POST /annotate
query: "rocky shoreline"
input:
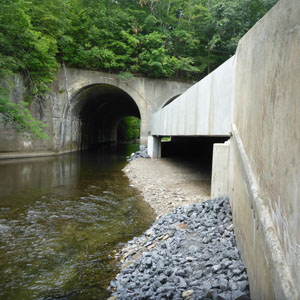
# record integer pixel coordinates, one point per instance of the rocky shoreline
(188, 253)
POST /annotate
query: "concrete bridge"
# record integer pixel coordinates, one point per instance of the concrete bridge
(205, 109)
(83, 109)
(253, 99)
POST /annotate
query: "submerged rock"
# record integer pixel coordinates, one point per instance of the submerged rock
(188, 254)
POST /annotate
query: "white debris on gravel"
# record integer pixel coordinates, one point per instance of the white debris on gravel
(143, 152)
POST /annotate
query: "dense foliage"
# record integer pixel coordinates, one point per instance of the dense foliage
(19, 117)
(156, 38)
(129, 129)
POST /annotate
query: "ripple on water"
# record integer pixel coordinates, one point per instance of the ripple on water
(55, 243)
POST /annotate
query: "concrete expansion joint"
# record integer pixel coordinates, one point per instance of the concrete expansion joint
(282, 279)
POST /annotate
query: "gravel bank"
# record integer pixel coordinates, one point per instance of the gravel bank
(187, 254)
(190, 250)
(167, 183)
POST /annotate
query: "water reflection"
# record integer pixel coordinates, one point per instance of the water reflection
(20, 176)
(60, 219)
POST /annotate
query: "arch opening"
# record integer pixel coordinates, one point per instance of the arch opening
(100, 108)
(129, 129)
(170, 100)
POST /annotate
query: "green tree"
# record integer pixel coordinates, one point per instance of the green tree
(24, 50)
(156, 38)
(129, 129)
(19, 117)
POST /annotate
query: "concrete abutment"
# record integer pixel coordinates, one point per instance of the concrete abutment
(154, 146)
(260, 167)
(220, 170)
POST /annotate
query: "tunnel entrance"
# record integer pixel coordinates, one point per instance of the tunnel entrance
(100, 108)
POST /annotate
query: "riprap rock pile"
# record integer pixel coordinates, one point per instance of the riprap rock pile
(190, 253)
(141, 153)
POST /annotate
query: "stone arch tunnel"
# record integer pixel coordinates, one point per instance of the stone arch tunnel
(84, 107)
(100, 108)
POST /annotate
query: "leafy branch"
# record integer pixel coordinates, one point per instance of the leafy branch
(19, 117)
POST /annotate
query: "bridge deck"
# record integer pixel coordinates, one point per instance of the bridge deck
(206, 109)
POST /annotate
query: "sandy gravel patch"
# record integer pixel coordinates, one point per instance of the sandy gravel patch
(168, 183)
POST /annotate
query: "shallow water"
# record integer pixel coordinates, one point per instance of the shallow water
(60, 220)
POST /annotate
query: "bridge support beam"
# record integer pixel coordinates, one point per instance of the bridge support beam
(220, 170)
(154, 146)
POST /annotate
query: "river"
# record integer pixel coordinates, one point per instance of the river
(61, 218)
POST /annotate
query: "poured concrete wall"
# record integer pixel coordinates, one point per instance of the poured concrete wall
(265, 153)
(203, 110)
(219, 173)
(264, 156)
(154, 147)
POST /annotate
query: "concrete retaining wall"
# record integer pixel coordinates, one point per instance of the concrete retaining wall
(64, 102)
(203, 110)
(265, 153)
(264, 157)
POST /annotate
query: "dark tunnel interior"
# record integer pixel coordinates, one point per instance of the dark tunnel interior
(170, 100)
(100, 108)
(197, 150)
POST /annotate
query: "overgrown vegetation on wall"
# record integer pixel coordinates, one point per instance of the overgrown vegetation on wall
(156, 38)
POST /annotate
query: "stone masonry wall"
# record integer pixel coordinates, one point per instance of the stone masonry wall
(59, 112)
